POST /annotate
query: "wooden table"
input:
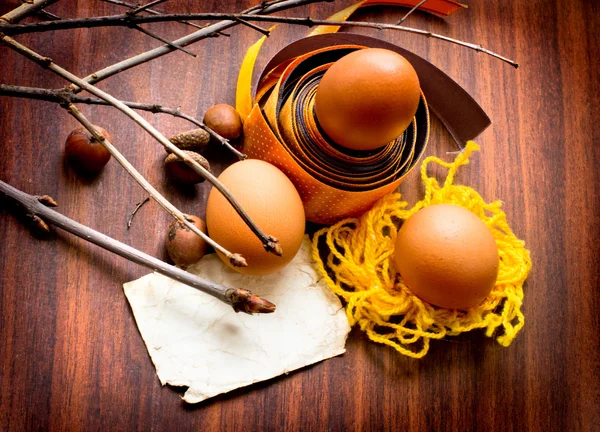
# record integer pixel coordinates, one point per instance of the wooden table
(71, 357)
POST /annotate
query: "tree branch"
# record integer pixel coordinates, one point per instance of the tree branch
(409, 13)
(144, 7)
(235, 259)
(240, 299)
(63, 96)
(135, 210)
(270, 243)
(161, 39)
(123, 20)
(23, 11)
(203, 33)
(48, 14)
(254, 27)
(150, 11)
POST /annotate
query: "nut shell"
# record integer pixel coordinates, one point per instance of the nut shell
(84, 151)
(224, 120)
(179, 171)
(184, 246)
(194, 140)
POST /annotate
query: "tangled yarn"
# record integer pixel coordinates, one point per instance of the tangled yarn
(354, 256)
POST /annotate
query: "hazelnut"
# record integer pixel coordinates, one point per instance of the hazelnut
(224, 120)
(179, 171)
(83, 150)
(183, 245)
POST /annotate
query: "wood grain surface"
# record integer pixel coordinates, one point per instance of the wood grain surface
(71, 357)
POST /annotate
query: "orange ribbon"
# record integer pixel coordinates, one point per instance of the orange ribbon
(333, 183)
(280, 127)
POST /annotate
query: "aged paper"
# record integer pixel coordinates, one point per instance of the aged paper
(197, 341)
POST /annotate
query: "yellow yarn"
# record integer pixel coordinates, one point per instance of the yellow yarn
(356, 262)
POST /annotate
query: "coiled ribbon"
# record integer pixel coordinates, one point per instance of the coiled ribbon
(282, 129)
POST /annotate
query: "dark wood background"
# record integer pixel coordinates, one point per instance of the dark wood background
(71, 357)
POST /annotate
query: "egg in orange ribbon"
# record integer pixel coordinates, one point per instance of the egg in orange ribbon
(368, 98)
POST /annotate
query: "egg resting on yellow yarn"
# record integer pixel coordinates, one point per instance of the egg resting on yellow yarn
(354, 256)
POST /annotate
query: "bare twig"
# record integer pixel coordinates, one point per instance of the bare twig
(24, 10)
(270, 243)
(144, 7)
(205, 32)
(137, 207)
(409, 13)
(254, 27)
(163, 40)
(137, 9)
(122, 20)
(63, 96)
(48, 14)
(122, 3)
(164, 203)
(151, 11)
(240, 299)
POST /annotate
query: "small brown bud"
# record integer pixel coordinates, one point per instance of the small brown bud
(179, 171)
(243, 300)
(273, 246)
(237, 260)
(48, 201)
(40, 225)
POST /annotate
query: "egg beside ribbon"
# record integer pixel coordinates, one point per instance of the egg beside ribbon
(447, 256)
(271, 201)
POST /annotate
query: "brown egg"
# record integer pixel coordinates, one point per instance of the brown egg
(447, 256)
(271, 201)
(367, 98)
